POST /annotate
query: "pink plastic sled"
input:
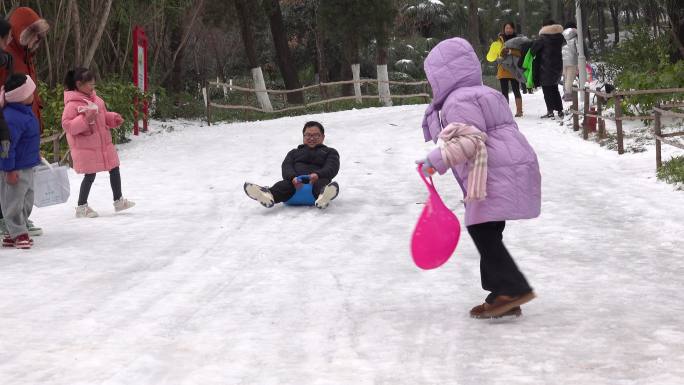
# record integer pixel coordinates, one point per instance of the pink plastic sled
(437, 231)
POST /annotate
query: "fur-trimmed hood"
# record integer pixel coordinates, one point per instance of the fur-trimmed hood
(26, 24)
(551, 29)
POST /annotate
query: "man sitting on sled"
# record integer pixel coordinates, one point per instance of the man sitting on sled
(311, 163)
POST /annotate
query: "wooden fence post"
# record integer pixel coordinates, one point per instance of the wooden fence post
(618, 124)
(575, 107)
(55, 149)
(356, 73)
(585, 121)
(658, 132)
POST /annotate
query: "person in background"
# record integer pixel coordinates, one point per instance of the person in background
(505, 77)
(570, 56)
(549, 65)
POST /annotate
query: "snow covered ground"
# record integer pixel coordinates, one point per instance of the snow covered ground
(200, 285)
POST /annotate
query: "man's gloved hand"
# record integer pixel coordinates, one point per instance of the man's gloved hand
(297, 184)
(4, 151)
(426, 167)
(12, 177)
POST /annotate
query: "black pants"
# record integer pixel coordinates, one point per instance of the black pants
(114, 180)
(498, 271)
(284, 190)
(552, 98)
(514, 85)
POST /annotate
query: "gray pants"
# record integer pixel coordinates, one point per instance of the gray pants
(17, 201)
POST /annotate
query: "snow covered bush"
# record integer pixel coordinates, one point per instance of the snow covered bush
(672, 171)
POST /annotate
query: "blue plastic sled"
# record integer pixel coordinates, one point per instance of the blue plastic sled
(304, 195)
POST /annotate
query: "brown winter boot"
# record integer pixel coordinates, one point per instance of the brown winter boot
(518, 108)
(503, 306)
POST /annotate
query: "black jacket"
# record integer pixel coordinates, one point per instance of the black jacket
(322, 160)
(6, 68)
(548, 61)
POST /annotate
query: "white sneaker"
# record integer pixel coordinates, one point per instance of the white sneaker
(122, 204)
(84, 211)
(329, 193)
(259, 194)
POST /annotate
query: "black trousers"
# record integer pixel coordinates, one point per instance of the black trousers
(87, 183)
(514, 85)
(498, 271)
(552, 98)
(284, 190)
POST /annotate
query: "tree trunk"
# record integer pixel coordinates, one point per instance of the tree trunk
(77, 32)
(676, 21)
(351, 56)
(600, 9)
(320, 54)
(474, 26)
(247, 31)
(554, 11)
(615, 15)
(522, 11)
(178, 51)
(98, 34)
(283, 55)
(587, 31)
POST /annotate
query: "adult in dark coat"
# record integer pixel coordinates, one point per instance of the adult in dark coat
(314, 160)
(548, 65)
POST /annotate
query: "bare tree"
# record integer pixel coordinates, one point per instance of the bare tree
(283, 54)
(98, 34)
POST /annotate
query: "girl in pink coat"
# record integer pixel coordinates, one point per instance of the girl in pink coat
(87, 122)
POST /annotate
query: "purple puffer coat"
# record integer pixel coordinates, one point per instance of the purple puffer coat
(513, 180)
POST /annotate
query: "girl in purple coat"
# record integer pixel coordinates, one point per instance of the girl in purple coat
(493, 163)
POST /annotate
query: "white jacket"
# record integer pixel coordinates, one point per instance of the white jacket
(570, 50)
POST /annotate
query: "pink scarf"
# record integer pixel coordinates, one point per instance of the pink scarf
(463, 143)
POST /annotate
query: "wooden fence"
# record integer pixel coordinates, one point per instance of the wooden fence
(56, 147)
(658, 113)
(602, 99)
(358, 96)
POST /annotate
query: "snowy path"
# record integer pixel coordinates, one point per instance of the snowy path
(200, 285)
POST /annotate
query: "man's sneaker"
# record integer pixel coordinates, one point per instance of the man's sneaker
(33, 230)
(329, 193)
(259, 194)
(22, 242)
(7, 241)
(84, 211)
(548, 115)
(122, 204)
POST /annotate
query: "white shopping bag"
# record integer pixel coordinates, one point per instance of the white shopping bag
(50, 185)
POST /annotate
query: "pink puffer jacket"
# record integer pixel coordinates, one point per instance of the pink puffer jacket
(91, 145)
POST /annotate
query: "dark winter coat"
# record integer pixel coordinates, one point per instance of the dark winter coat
(24, 131)
(5, 71)
(548, 62)
(322, 160)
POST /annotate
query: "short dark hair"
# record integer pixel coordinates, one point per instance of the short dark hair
(78, 74)
(15, 81)
(5, 27)
(313, 123)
